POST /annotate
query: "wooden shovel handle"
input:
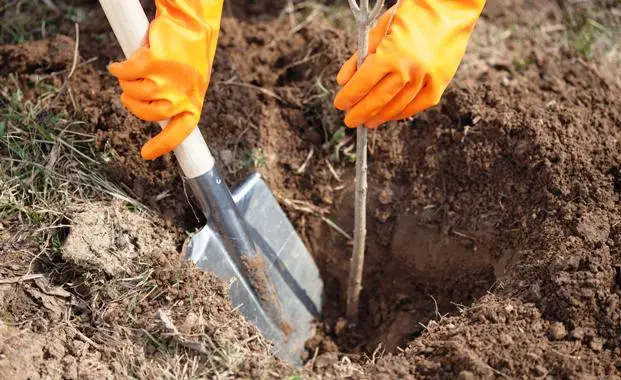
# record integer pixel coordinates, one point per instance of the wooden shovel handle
(130, 26)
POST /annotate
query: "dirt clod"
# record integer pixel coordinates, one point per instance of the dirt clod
(557, 331)
(110, 238)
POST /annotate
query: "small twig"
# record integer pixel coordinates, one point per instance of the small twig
(307, 57)
(377, 349)
(176, 335)
(164, 194)
(74, 149)
(27, 277)
(260, 89)
(75, 50)
(307, 21)
(47, 243)
(296, 28)
(76, 56)
(463, 235)
(438, 315)
(188, 200)
(310, 209)
(44, 285)
(497, 372)
(336, 228)
(312, 361)
(291, 11)
(56, 73)
(239, 138)
(334, 173)
(302, 168)
(85, 338)
(302, 206)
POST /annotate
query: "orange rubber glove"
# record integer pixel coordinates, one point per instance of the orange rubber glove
(414, 51)
(169, 76)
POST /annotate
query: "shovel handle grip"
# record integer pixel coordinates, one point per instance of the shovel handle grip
(130, 26)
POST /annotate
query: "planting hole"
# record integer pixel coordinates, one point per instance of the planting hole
(414, 273)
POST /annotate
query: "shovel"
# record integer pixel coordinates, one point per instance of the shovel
(248, 240)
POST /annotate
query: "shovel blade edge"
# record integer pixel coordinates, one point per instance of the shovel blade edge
(288, 264)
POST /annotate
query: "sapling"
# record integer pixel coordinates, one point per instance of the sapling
(365, 18)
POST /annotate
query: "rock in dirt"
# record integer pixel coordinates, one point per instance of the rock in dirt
(557, 331)
(594, 227)
(578, 333)
(506, 340)
(597, 344)
(108, 236)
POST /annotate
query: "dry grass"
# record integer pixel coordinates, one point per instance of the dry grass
(164, 318)
(47, 164)
(50, 169)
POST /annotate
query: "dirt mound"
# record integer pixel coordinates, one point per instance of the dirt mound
(511, 172)
(142, 321)
(513, 169)
(497, 338)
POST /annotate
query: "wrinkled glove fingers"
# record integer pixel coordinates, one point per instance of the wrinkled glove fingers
(156, 110)
(426, 98)
(378, 31)
(347, 70)
(369, 74)
(172, 135)
(377, 98)
(134, 68)
(375, 37)
(140, 89)
(396, 104)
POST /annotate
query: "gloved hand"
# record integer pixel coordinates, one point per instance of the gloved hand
(169, 76)
(414, 51)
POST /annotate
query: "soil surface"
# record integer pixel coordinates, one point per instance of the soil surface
(494, 226)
